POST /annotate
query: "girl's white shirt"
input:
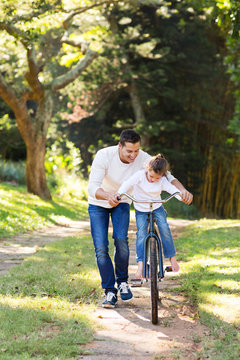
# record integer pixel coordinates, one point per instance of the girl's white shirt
(145, 190)
(109, 172)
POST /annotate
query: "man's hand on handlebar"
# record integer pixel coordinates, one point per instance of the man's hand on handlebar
(112, 200)
(187, 197)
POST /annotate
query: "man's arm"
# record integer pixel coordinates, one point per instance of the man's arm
(100, 194)
(170, 188)
(187, 196)
(98, 171)
(112, 198)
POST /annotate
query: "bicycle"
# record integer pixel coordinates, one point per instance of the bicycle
(152, 254)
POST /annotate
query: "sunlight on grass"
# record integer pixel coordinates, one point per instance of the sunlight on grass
(85, 275)
(211, 224)
(21, 211)
(43, 328)
(211, 261)
(60, 308)
(228, 285)
(225, 307)
(46, 303)
(211, 280)
(213, 275)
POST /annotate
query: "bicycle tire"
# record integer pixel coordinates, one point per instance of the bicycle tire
(154, 278)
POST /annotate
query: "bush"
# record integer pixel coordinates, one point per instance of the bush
(63, 170)
(11, 171)
(178, 209)
(62, 155)
(69, 185)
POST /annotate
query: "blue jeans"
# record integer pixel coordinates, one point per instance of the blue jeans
(99, 220)
(164, 230)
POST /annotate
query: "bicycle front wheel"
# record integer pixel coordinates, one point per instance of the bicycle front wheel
(153, 275)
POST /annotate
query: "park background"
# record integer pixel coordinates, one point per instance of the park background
(73, 75)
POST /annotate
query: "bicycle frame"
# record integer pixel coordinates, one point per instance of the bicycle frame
(152, 233)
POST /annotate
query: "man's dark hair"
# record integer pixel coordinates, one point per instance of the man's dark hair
(129, 135)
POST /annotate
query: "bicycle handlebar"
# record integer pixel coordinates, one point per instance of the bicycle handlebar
(150, 201)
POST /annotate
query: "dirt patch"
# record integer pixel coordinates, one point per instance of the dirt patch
(126, 331)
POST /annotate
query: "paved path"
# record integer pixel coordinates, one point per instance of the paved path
(14, 250)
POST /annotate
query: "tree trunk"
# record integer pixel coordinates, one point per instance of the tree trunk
(136, 103)
(35, 136)
(138, 109)
(35, 170)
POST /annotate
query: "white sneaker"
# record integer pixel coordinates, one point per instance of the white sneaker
(125, 292)
(110, 300)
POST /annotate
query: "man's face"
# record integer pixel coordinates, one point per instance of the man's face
(128, 152)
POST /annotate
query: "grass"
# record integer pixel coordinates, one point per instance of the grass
(46, 303)
(21, 211)
(210, 250)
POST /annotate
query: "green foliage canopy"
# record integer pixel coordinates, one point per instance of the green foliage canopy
(163, 70)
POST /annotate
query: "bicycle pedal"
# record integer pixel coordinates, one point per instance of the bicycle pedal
(136, 282)
(168, 268)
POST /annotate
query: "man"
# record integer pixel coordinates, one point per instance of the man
(110, 168)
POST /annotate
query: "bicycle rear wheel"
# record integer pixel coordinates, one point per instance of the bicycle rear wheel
(154, 278)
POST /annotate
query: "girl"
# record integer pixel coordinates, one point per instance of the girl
(148, 184)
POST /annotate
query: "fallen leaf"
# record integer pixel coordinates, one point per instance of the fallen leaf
(93, 291)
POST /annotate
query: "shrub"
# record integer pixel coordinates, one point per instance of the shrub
(11, 171)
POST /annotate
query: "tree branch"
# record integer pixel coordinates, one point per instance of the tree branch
(81, 10)
(18, 106)
(15, 32)
(34, 14)
(9, 95)
(82, 45)
(63, 80)
(32, 74)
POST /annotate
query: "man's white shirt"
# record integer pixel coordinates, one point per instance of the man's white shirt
(109, 172)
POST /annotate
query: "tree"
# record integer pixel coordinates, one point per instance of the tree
(175, 55)
(229, 22)
(43, 51)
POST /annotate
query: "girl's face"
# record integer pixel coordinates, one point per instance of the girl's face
(152, 176)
